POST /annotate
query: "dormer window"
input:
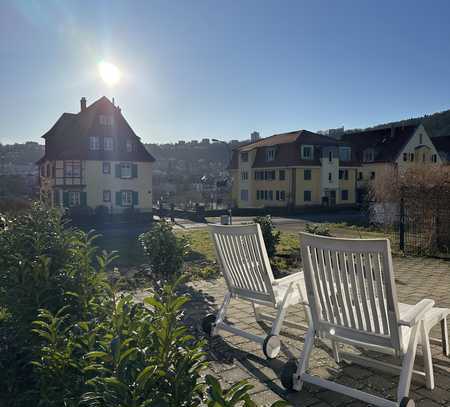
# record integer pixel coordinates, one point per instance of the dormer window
(106, 120)
(270, 154)
(244, 157)
(94, 143)
(345, 153)
(369, 155)
(108, 144)
(307, 152)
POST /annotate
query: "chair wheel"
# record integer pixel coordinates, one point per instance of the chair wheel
(271, 346)
(208, 323)
(407, 402)
(287, 374)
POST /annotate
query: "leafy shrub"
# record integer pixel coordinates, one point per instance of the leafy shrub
(271, 237)
(164, 249)
(317, 229)
(42, 265)
(69, 338)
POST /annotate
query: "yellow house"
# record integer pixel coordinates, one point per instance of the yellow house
(296, 169)
(93, 158)
(390, 149)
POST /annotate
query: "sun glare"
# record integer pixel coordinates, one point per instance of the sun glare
(109, 73)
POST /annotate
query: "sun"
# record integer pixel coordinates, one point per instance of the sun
(109, 73)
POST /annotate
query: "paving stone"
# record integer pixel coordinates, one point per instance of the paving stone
(234, 358)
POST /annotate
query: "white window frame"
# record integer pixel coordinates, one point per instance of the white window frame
(345, 153)
(127, 198)
(106, 195)
(94, 143)
(244, 175)
(128, 168)
(270, 154)
(368, 155)
(309, 148)
(106, 165)
(108, 143)
(74, 198)
(129, 146)
(106, 120)
(70, 167)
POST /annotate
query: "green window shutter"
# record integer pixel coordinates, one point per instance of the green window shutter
(83, 198)
(134, 170)
(135, 198)
(65, 199)
(119, 198)
(118, 172)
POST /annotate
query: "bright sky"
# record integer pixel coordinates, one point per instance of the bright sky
(220, 69)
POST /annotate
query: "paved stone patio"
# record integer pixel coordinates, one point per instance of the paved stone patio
(233, 358)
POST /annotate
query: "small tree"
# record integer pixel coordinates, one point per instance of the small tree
(164, 249)
(271, 237)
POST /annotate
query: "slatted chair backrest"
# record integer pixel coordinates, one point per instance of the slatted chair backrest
(244, 262)
(351, 290)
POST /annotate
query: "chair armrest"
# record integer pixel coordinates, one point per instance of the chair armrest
(416, 313)
(292, 278)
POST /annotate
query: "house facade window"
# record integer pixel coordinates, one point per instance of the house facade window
(48, 170)
(72, 169)
(372, 175)
(129, 146)
(405, 156)
(307, 152)
(434, 158)
(330, 177)
(411, 157)
(282, 175)
(74, 198)
(360, 176)
(106, 196)
(265, 175)
(368, 155)
(108, 144)
(125, 170)
(345, 153)
(127, 198)
(306, 175)
(280, 195)
(264, 195)
(106, 120)
(344, 195)
(106, 168)
(94, 143)
(270, 154)
(244, 194)
(244, 175)
(343, 174)
(307, 196)
(244, 157)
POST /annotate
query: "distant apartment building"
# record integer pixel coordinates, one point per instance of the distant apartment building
(379, 151)
(302, 168)
(93, 158)
(295, 169)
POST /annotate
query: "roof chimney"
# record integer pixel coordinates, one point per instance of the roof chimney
(119, 109)
(83, 104)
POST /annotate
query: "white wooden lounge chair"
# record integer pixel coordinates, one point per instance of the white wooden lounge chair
(243, 260)
(352, 299)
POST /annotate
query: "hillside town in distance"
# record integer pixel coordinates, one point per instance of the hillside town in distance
(292, 171)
